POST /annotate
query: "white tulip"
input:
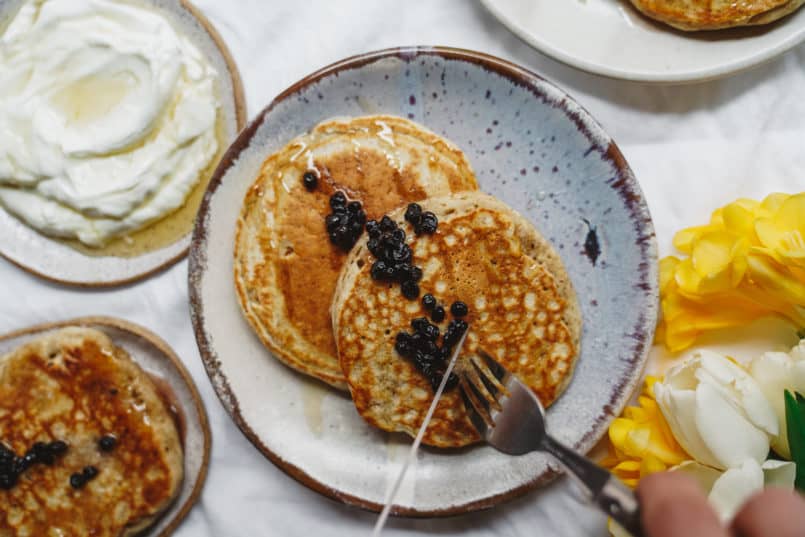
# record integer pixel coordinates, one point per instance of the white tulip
(776, 372)
(728, 491)
(716, 411)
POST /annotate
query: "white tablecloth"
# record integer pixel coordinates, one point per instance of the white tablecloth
(692, 148)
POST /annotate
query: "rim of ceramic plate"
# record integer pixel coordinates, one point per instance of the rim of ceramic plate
(625, 184)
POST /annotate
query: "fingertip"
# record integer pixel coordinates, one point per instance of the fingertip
(774, 511)
(673, 505)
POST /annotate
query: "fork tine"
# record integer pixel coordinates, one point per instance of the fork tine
(482, 388)
(476, 408)
(491, 372)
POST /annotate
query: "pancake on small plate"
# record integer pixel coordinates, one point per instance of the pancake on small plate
(107, 147)
(522, 311)
(91, 444)
(285, 266)
(691, 15)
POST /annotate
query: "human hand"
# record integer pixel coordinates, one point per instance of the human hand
(673, 505)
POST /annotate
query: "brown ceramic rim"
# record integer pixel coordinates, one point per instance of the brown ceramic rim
(624, 183)
(166, 351)
(240, 120)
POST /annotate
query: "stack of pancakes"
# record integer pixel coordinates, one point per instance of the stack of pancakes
(319, 310)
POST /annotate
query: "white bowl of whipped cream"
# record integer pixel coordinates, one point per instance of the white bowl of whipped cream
(113, 116)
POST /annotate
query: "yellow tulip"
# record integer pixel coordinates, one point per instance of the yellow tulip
(641, 442)
(746, 263)
(783, 232)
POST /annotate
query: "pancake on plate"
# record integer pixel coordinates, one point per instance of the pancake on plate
(100, 451)
(522, 311)
(285, 266)
(691, 15)
(108, 145)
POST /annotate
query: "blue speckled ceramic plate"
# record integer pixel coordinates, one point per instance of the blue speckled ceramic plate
(533, 147)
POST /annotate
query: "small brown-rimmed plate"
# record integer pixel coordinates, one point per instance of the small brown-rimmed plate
(157, 359)
(531, 146)
(59, 262)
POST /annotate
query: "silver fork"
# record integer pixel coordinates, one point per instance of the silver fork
(511, 419)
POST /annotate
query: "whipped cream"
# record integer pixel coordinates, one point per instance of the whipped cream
(107, 117)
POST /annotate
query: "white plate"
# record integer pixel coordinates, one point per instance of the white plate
(159, 361)
(609, 37)
(533, 148)
(54, 260)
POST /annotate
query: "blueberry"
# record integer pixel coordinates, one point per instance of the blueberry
(428, 224)
(401, 254)
(431, 332)
(355, 228)
(310, 180)
(425, 359)
(413, 213)
(452, 382)
(409, 272)
(428, 301)
(57, 447)
(107, 443)
(338, 200)
(354, 207)
(374, 246)
(77, 480)
(373, 229)
(402, 344)
(454, 331)
(435, 379)
(437, 315)
(398, 235)
(360, 217)
(420, 324)
(89, 472)
(459, 309)
(332, 221)
(378, 271)
(387, 224)
(418, 341)
(7, 480)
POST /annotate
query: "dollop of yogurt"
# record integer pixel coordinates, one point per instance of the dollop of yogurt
(107, 117)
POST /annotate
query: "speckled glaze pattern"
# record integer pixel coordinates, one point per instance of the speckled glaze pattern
(533, 147)
(156, 358)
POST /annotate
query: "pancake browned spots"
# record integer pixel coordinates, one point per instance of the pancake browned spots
(716, 14)
(285, 266)
(75, 385)
(522, 310)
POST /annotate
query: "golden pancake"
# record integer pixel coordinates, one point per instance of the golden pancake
(285, 266)
(74, 386)
(692, 15)
(522, 311)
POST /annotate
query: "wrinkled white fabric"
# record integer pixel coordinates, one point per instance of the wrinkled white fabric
(692, 148)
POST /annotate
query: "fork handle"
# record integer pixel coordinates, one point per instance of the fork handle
(608, 493)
